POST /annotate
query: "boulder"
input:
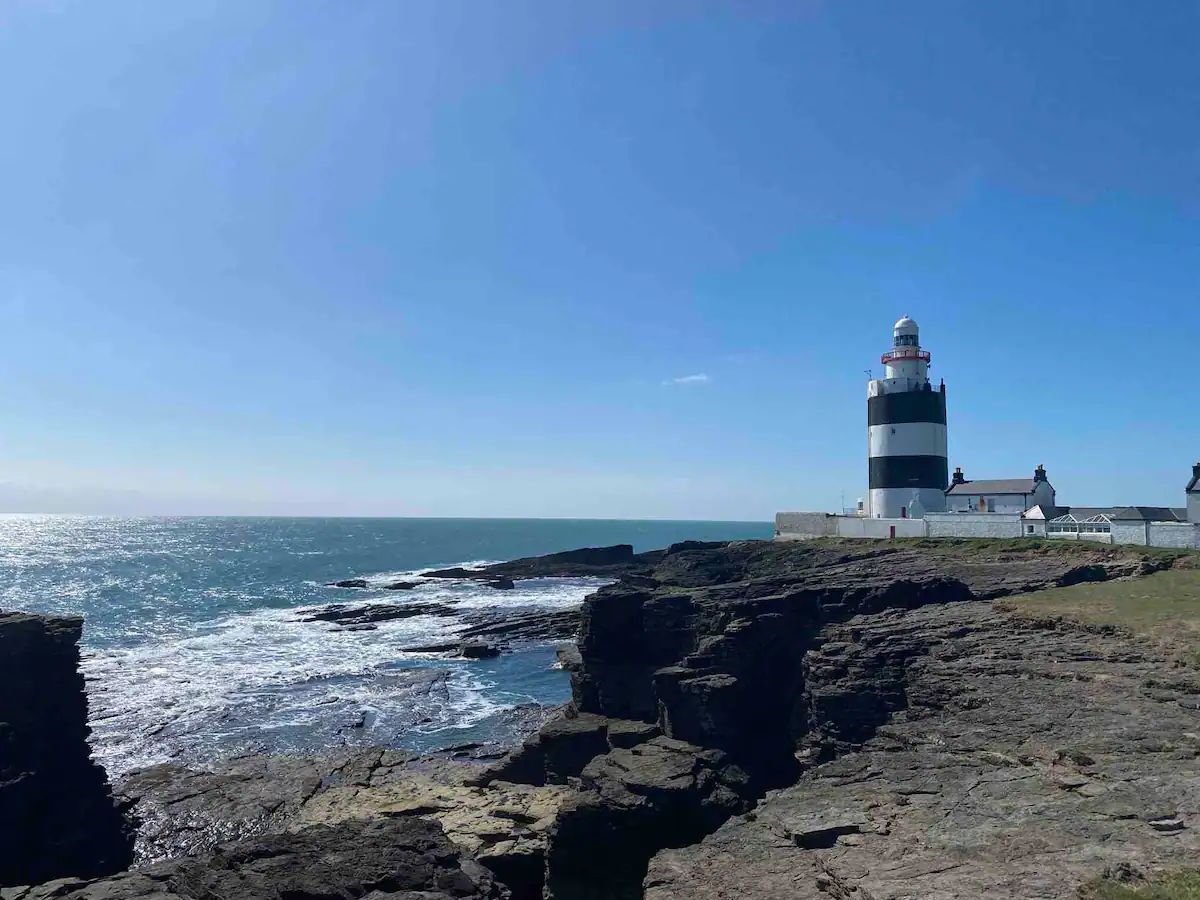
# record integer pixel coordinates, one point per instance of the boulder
(350, 583)
(477, 650)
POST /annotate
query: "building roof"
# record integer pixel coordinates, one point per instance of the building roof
(1150, 513)
(1041, 511)
(995, 486)
(1126, 513)
(1083, 513)
(1194, 485)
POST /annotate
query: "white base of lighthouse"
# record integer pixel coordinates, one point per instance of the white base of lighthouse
(904, 503)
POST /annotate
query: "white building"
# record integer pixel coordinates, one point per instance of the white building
(1006, 495)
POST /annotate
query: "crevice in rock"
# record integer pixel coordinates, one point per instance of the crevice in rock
(759, 690)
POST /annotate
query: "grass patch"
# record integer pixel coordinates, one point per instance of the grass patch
(1164, 606)
(1180, 886)
(1043, 546)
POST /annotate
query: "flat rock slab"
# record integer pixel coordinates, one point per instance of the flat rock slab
(186, 812)
(490, 821)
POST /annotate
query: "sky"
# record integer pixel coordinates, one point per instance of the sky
(621, 259)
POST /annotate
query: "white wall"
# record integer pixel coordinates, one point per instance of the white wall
(1043, 495)
(800, 526)
(853, 527)
(974, 525)
(1194, 508)
(918, 500)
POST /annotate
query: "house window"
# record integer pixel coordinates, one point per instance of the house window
(1029, 529)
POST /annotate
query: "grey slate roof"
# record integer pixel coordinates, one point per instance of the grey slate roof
(1151, 513)
(1127, 513)
(995, 486)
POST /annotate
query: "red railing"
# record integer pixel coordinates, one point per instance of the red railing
(901, 354)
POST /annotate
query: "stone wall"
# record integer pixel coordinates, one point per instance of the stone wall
(57, 817)
(1172, 534)
(1129, 533)
(973, 525)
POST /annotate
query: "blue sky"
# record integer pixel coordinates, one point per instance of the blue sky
(473, 258)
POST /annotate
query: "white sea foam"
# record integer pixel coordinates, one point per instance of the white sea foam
(266, 680)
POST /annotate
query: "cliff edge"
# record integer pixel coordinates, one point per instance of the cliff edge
(57, 815)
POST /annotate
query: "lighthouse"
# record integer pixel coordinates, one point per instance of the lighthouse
(906, 432)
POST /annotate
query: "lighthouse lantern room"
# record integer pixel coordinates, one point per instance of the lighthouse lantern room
(906, 432)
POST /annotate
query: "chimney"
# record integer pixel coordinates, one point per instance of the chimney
(1039, 474)
(1196, 470)
(958, 476)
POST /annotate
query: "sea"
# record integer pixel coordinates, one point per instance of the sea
(194, 646)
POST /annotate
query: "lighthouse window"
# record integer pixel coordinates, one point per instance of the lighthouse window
(906, 340)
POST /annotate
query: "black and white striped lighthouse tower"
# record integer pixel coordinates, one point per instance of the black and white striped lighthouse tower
(906, 432)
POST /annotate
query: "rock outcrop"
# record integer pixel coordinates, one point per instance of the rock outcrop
(631, 802)
(374, 613)
(726, 658)
(187, 812)
(57, 815)
(1016, 760)
(377, 859)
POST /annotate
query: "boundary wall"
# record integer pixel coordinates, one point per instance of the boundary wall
(805, 526)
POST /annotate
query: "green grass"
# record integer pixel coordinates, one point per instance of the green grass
(1042, 546)
(1180, 886)
(1164, 606)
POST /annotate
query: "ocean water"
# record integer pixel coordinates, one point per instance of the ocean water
(194, 648)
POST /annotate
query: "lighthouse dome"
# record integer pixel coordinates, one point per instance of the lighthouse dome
(906, 325)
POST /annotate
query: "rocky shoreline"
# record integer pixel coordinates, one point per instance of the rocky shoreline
(832, 720)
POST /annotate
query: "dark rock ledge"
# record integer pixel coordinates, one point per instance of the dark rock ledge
(381, 859)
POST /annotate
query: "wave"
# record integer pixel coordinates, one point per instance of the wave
(263, 680)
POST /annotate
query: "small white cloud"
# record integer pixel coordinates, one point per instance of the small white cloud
(699, 378)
